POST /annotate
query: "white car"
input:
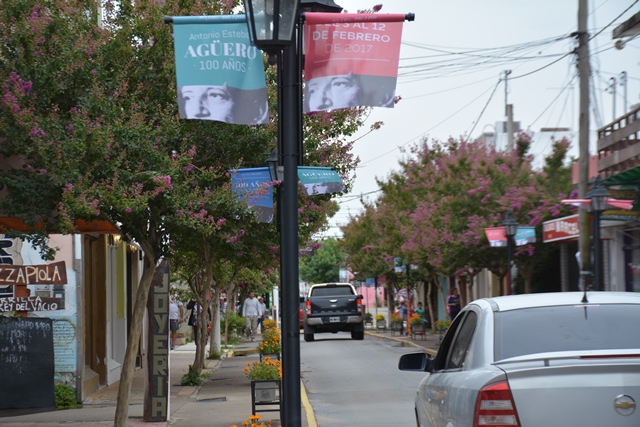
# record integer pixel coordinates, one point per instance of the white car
(538, 360)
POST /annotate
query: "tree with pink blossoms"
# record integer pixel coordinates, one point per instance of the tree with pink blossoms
(88, 116)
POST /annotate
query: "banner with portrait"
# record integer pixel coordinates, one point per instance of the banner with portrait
(351, 59)
(220, 76)
(497, 236)
(254, 188)
(319, 180)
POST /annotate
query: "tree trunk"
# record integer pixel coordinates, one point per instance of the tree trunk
(133, 342)
(214, 339)
(430, 304)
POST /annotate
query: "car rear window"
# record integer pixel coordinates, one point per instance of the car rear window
(331, 291)
(566, 328)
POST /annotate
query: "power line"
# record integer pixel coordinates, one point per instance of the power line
(428, 130)
(555, 99)
(612, 22)
(485, 107)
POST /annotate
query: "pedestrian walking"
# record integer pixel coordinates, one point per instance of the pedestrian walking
(176, 313)
(405, 298)
(251, 310)
(193, 317)
(263, 309)
(453, 304)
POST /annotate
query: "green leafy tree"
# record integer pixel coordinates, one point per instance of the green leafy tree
(88, 119)
(324, 265)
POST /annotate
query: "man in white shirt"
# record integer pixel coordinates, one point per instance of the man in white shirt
(251, 310)
(176, 313)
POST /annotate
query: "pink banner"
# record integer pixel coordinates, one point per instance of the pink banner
(497, 236)
(351, 60)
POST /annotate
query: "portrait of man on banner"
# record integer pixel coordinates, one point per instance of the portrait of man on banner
(351, 60)
(220, 76)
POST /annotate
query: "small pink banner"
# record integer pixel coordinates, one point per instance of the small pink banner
(497, 236)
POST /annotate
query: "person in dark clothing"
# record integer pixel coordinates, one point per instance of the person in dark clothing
(453, 304)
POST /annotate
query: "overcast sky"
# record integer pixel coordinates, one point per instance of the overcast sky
(451, 76)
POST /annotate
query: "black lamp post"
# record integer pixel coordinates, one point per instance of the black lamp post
(275, 27)
(599, 201)
(511, 226)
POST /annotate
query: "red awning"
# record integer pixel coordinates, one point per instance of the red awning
(97, 226)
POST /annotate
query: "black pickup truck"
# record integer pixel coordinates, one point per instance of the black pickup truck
(333, 307)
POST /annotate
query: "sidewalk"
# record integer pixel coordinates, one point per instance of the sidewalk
(223, 400)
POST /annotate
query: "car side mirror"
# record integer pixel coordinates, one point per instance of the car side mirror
(417, 362)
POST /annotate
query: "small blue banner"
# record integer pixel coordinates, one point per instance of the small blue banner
(253, 186)
(220, 76)
(320, 180)
(525, 235)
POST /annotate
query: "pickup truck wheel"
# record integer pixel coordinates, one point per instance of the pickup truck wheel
(309, 337)
(357, 335)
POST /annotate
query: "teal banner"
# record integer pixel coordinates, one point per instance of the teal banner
(525, 235)
(320, 180)
(220, 76)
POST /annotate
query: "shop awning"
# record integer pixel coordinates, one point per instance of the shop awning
(98, 226)
(630, 177)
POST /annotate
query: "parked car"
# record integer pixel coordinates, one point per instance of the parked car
(535, 360)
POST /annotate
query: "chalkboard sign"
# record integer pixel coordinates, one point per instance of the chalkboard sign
(26, 363)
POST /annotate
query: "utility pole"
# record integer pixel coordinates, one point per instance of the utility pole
(584, 72)
(508, 112)
(614, 89)
(623, 82)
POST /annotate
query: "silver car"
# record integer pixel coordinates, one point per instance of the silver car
(537, 360)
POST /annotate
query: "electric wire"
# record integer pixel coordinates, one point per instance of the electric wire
(428, 130)
(612, 22)
(485, 107)
(554, 99)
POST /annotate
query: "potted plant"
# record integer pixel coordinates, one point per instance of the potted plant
(267, 369)
(442, 325)
(270, 345)
(381, 322)
(265, 377)
(415, 319)
(368, 318)
(396, 318)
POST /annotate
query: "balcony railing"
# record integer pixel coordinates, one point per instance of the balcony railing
(619, 145)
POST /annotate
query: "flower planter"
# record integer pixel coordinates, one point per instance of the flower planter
(266, 390)
(381, 325)
(273, 356)
(265, 396)
(397, 327)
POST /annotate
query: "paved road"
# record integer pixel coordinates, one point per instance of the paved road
(357, 383)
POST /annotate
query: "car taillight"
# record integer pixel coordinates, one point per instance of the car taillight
(495, 407)
(359, 305)
(307, 306)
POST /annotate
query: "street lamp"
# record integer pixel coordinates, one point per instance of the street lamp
(276, 171)
(511, 226)
(273, 26)
(599, 202)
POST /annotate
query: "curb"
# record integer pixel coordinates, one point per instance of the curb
(429, 351)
